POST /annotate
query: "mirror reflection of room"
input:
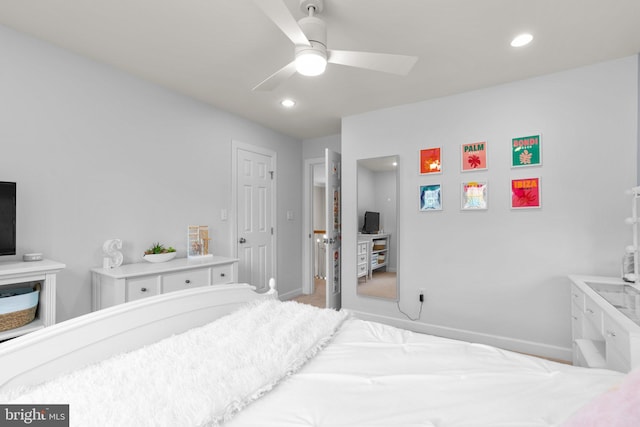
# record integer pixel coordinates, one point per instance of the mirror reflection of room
(377, 239)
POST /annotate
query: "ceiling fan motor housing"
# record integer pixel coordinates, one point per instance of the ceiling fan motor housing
(316, 32)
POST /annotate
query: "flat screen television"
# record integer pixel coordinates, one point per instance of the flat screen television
(7, 218)
(371, 223)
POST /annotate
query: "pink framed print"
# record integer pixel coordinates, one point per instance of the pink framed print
(430, 161)
(525, 193)
(474, 156)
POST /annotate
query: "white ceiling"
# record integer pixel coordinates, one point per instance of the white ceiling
(218, 50)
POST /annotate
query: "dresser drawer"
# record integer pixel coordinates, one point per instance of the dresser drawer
(222, 274)
(142, 287)
(185, 280)
(577, 316)
(362, 248)
(593, 313)
(616, 336)
(362, 258)
(362, 270)
(577, 297)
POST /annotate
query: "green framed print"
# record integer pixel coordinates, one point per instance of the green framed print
(526, 151)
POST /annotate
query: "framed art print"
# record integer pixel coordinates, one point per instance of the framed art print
(430, 197)
(474, 156)
(525, 193)
(430, 161)
(474, 195)
(526, 151)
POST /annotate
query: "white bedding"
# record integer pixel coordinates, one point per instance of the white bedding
(200, 377)
(368, 375)
(376, 375)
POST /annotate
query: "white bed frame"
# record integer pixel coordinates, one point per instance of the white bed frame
(46, 353)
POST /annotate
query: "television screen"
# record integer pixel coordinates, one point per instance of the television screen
(7, 218)
(371, 223)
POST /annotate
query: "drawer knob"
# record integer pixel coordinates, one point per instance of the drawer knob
(611, 334)
(187, 281)
(221, 274)
(143, 289)
(589, 311)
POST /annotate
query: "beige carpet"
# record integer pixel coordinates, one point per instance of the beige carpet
(318, 298)
(382, 285)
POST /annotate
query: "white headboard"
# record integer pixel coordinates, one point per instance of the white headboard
(44, 354)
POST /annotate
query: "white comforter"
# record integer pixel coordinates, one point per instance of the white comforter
(376, 375)
(369, 375)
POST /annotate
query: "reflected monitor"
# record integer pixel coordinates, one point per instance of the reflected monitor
(371, 223)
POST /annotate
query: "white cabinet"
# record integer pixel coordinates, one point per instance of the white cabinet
(605, 323)
(28, 273)
(378, 250)
(131, 282)
(363, 259)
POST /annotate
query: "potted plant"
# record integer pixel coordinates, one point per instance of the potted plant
(158, 253)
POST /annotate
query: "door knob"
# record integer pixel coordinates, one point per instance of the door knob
(242, 240)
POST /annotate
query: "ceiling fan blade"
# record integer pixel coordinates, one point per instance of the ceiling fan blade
(385, 62)
(275, 79)
(277, 11)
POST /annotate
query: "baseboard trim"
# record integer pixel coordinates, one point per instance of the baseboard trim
(513, 344)
(290, 295)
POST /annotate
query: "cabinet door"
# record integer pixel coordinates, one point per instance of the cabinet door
(618, 349)
(185, 280)
(222, 274)
(142, 287)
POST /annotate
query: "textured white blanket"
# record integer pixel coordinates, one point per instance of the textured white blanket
(201, 377)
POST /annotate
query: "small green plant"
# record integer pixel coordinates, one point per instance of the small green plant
(158, 248)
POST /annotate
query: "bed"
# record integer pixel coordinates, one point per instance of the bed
(228, 355)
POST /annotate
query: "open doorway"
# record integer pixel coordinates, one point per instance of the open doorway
(315, 252)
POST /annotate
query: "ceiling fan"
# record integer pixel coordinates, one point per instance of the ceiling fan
(309, 35)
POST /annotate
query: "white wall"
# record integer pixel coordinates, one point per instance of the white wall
(312, 148)
(99, 154)
(499, 276)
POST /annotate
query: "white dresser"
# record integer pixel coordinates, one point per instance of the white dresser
(605, 323)
(130, 282)
(363, 259)
(377, 251)
(15, 273)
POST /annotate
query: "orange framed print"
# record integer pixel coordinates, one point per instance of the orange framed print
(525, 193)
(474, 156)
(430, 161)
(474, 196)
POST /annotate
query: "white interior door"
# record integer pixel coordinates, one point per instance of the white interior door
(254, 216)
(333, 228)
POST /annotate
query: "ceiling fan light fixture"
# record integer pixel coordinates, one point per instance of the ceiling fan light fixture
(311, 62)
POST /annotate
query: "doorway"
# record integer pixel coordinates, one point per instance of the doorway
(314, 253)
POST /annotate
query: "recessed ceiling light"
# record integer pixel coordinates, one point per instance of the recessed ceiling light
(288, 103)
(522, 40)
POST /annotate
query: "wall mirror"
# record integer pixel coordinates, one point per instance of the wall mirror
(377, 242)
